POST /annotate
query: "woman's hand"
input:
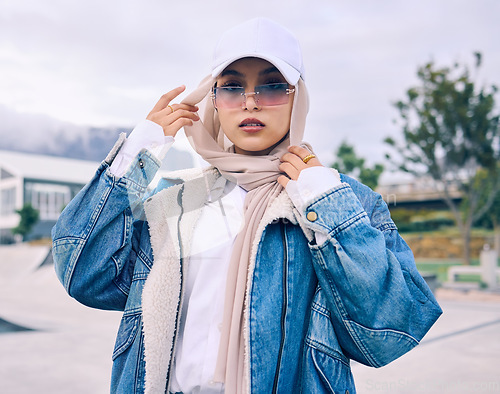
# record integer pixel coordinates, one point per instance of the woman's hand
(292, 163)
(173, 117)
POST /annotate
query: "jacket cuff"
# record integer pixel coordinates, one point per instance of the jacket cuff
(116, 148)
(141, 171)
(334, 210)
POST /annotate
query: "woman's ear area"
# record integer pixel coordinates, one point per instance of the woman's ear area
(212, 93)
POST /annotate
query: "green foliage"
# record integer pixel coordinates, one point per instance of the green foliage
(350, 164)
(448, 124)
(451, 130)
(29, 217)
(422, 220)
(491, 216)
(440, 268)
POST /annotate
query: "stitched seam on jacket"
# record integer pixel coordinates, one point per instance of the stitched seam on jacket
(130, 338)
(78, 242)
(359, 343)
(339, 190)
(385, 331)
(321, 373)
(347, 223)
(122, 287)
(336, 295)
(344, 314)
(386, 226)
(327, 350)
(145, 259)
(321, 309)
(132, 312)
(88, 231)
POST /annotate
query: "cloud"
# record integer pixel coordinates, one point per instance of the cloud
(35, 132)
(106, 63)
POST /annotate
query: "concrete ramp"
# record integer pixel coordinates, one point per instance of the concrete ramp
(7, 326)
(20, 260)
(69, 347)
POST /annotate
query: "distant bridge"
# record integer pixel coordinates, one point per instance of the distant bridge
(415, 196)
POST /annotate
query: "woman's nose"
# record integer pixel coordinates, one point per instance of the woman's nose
(251, 101)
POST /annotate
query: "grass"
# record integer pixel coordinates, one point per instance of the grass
(451, 231)
(440, 268)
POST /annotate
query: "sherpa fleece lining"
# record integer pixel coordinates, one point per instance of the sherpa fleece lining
(169, 241)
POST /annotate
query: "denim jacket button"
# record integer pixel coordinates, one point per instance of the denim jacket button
(312, 216)
(141, 163)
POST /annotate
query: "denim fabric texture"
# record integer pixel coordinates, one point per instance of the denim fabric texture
(310, 308)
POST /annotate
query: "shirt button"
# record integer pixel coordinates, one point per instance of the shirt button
(312, 216)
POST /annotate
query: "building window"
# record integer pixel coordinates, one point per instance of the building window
(7, 201)
(48, 199)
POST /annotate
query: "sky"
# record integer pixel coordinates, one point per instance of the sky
(105, 63)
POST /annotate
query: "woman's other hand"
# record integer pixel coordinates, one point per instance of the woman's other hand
(173, 117)
(292, 163)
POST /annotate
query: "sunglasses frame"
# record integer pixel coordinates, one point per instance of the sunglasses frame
(244, 95)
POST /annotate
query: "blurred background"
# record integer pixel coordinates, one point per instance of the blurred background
(73, 75)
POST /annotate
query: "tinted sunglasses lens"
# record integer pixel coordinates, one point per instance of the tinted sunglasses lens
(228, 97)
(272, 94)
(265, 95)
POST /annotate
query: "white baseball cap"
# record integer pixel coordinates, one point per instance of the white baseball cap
(262, 38)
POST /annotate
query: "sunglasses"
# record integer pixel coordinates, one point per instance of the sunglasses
(264, 95)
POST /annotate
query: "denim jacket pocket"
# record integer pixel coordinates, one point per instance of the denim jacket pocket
(326, 368)
(129, 327)
(65, 251)
(326, 373)
(380, 346)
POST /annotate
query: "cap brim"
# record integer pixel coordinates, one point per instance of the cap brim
(291, 74)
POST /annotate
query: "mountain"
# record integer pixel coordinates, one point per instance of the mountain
(41, 134)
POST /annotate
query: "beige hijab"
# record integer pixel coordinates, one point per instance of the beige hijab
(258, 175)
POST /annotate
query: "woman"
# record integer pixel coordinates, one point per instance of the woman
(266, 272)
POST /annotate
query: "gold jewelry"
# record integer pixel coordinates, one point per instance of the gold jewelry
(169, 106)
(308, 157)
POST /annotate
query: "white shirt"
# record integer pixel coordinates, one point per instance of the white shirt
(204, 293)
(205, 280)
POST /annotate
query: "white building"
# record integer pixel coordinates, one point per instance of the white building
(47, 183)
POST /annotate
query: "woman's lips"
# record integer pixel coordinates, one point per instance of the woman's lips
(251, 125)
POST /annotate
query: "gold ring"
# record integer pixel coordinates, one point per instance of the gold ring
(308, 157)
(169, 106)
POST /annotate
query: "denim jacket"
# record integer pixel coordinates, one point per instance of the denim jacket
(310, 308)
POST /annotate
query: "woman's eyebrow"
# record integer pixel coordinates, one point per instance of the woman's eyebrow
(231, 72)
(269, 70)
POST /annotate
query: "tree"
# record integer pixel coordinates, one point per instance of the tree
(350, 164)
(29, 217)
(451, 131)
(491, 218)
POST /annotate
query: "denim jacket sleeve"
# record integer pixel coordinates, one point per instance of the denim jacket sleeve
(380, 305)
(95, 239)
